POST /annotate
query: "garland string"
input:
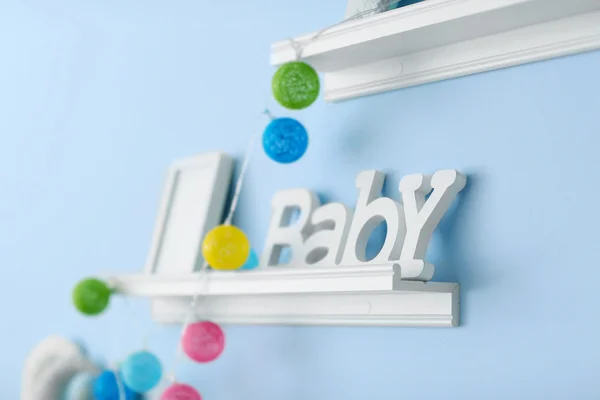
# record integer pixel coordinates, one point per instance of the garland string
(298, 48)
(203, 274)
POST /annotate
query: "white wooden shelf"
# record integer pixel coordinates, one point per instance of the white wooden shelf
(441, 39)
(367, 295)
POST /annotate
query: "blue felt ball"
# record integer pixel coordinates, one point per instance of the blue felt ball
(79, 387)
(142, 371)
(252, 261)
(106, 387)
(285, 140)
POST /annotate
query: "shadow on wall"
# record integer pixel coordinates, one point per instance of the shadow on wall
(455, 259)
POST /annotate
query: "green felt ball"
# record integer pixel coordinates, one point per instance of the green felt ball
(296, 85)
(91, 296)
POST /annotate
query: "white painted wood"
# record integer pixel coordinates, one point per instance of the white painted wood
(282, 280)
(388, 290)
(192, 204)
(438, 308)
(284, 234)
(336, 236)
(371, 210)
(317, 237)
(373, 297)
(442, 39)
(423, 215)
(326, 244)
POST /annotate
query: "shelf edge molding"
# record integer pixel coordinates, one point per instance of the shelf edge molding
(361, 295)
(380, 308)
(442, 39)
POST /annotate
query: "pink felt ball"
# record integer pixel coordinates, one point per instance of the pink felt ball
(179, 391)
(203, 341)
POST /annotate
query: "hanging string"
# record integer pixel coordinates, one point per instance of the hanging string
(203, 274)
(145, 331)
(268, 114)
(240, 180)
(114, 367)
(299, 47)
(120, 383)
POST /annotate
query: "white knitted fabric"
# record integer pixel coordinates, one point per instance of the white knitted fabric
(359, 6)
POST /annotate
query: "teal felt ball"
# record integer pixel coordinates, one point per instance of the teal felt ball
(142, 371)
(252, 261)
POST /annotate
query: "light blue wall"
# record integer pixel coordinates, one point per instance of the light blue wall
(97, 98)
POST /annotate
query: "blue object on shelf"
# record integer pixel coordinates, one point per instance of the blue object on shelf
(252, 261)
(404, 3)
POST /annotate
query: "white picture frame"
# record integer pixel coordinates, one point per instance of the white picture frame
(192, 204)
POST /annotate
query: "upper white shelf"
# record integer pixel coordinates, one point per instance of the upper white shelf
(441, 39)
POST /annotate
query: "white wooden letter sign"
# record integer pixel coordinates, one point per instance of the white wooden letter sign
(328, 278)
(333, 234)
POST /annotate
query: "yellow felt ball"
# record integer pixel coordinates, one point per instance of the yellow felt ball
(226, 248)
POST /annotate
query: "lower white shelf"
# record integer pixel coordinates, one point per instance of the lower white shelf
(350, 296)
